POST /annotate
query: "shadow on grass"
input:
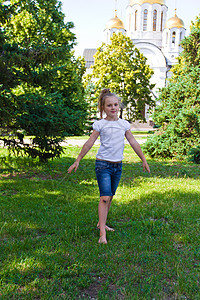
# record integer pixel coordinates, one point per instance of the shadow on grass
(162, 169)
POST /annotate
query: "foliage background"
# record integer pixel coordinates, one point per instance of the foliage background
(41, 92)
(178, 114)
(122, 68)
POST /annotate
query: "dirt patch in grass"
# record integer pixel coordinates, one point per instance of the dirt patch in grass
(99, 285)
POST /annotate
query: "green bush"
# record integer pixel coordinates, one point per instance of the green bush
(177, 135)
(47, 121)
(178, 115)
(194, 155)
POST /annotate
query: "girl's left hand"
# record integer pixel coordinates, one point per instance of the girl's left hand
(146, 167)
(73, 167)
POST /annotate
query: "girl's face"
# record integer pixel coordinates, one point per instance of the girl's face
(111, 108)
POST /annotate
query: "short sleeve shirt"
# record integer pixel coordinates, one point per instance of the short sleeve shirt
(111, 138)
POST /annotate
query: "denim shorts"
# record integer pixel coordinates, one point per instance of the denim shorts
(108, 176)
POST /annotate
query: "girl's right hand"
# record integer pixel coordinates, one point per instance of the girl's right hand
(73, 167)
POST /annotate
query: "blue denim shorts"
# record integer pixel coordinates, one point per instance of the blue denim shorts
(108, 176)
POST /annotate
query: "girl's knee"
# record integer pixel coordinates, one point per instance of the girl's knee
(105, 199)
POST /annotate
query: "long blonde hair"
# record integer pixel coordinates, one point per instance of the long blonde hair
(102, 98)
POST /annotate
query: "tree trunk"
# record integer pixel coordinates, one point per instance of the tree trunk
(121, 113)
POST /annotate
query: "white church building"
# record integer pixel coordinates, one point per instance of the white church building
(157, 37)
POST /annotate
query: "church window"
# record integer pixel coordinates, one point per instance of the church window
(136, 20)
(173, 37)
(145, 20)
(154, 19)
(181, 36)
(161, 23)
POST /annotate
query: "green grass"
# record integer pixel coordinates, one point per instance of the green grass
(143, 132)
(48, 239)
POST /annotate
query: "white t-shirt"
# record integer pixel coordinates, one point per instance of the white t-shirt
(112, 138)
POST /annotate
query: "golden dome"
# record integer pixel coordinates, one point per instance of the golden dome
(132, 2)
(115, 23)
(174, 22)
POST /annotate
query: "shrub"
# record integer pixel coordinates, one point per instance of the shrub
(194, 155)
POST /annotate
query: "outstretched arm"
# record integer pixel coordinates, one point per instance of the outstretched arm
(86, 147)
(136, 147)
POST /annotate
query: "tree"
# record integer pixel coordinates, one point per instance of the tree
(179, 113)
(43, 80)
(122, 68)
(92, 106)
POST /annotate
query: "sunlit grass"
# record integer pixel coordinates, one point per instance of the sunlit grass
(48, 239)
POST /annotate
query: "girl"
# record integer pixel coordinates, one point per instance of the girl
(109, 158)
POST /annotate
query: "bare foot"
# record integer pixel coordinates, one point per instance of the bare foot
(102, 240)
(106, 228)
(109, 228)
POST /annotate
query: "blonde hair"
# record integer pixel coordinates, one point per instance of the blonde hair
(105, 93)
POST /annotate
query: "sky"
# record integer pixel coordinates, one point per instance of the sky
(91, 16)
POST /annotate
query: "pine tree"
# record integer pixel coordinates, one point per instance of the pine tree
(42, 85)
(179, 113)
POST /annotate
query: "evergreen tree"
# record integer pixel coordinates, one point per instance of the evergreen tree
(122, 68)
(179, 113)
(92, 106)
(43, 80)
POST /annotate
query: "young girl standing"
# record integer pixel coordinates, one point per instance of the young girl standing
(109, 158)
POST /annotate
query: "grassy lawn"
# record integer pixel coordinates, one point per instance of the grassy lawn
(48, 239)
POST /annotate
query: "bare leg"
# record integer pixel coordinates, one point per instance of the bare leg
(103, 212)
(110, 202)
(107, 227)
